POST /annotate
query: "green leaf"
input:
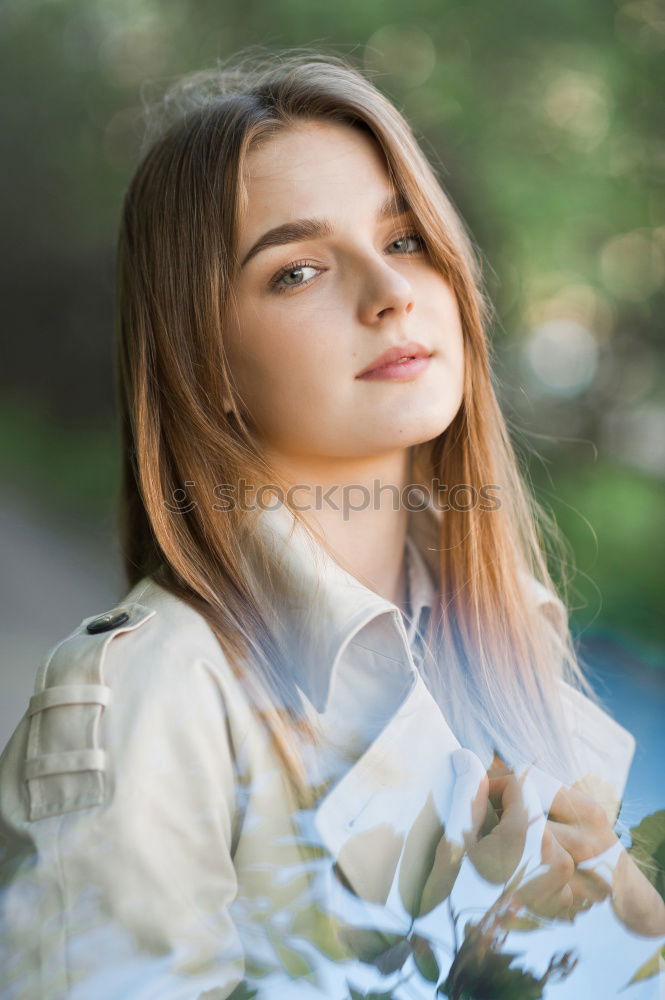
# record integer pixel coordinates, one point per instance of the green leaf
(367, 943)
(243, 992)
(652, 967)
(394, 958)
(425, 959)
(521, 923)
(357, 995)
(439, 885)
(322, 929)
(648, 849)
(430, 863)
(420, 849)
(256, 970)
(296, 964)
(481, 970)
(515, 881)
(293, 962)
(372, 856)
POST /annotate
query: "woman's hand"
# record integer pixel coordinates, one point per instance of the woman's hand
(577, 830)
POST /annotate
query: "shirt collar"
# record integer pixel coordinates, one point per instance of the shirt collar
(314, 607)
(421, 590)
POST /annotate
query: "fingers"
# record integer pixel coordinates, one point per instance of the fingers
(572, 806)
(583, 842)
(505, 794)
(550, 893)
(576, 833)
(563, 890)
(588, 888)
(505, 791)
(577, 830)
(581, 825)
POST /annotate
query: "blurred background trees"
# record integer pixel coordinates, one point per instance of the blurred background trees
(544, 124)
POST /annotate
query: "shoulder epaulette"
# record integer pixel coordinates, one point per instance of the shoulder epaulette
(65, 765)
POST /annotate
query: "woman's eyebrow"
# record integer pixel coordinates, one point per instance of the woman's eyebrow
(312, 229)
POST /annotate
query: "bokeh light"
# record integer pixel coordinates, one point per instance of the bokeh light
(637, 435)
(563, 355)
(403, 51)
(640, 24)
(632, 265)
(578, 103)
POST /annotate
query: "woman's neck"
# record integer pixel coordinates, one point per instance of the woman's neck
(356, 505)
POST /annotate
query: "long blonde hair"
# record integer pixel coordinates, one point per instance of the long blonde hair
(499, 658)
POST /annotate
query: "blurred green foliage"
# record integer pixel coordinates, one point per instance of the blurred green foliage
(611, 517)
(545, 125)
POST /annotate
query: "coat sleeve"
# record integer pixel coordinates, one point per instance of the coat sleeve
(118, 814)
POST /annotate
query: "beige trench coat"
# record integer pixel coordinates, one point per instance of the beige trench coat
(151, 846)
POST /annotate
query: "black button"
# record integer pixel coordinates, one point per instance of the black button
(108, 621)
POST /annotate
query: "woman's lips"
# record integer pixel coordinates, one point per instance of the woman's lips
(398, 370)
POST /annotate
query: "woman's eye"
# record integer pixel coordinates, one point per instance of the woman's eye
(292, 276)
(408, 237)
(295, 274)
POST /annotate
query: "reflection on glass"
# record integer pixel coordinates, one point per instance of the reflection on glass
(326, 744)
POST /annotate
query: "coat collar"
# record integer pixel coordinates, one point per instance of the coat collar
(315, 607)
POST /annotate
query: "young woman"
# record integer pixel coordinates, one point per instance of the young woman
(339, 605)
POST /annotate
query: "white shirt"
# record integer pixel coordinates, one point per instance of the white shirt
(365, 691)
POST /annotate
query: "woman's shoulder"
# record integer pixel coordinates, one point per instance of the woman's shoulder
(174, 620)
(150, 632)
(126, 689)
(151, 647)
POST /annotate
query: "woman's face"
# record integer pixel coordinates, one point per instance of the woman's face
(318, 304)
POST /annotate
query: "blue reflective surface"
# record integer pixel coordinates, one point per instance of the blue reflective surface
(633, 691)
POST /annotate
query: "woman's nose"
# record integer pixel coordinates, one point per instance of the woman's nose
(384, 292)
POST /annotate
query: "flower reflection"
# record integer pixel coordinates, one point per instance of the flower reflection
(489, 866)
